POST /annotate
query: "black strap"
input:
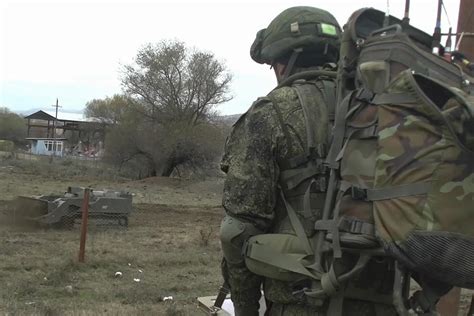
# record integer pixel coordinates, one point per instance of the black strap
(291, 62)
(221, 296)
(392, 192)
(356, 226)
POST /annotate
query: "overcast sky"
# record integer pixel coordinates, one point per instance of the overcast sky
(72, 50)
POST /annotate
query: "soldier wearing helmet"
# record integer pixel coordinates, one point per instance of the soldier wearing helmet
(276, 180)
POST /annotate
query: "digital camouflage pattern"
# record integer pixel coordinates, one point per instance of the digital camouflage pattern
(297, 27)
(250, 192)
(253, 153)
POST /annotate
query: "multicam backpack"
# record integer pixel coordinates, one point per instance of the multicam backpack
(402, 166)
(402, 156)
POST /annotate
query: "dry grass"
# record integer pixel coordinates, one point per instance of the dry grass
(162, 247)
(171, 245)
(39, 272)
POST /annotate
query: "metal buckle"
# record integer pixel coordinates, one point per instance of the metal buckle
(359, 193)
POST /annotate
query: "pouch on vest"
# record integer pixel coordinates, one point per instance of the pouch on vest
(287, 254)
(278, 256)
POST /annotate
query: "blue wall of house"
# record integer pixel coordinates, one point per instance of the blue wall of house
(38, 147)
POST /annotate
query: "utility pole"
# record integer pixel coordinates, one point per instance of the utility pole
(466, 25)
(54, 124)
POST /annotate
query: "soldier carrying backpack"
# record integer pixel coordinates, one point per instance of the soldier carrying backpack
(336, 200)
(276, 182)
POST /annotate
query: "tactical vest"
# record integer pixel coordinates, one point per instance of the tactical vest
(281, 254)
(286, 255)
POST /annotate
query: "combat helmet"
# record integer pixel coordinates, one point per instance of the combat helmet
(297, 30)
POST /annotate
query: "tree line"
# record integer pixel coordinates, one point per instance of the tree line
(12, 129)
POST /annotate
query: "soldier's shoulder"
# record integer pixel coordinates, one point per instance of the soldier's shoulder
(285, 93)
(260, 109)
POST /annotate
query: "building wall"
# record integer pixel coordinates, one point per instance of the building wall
(45, 147)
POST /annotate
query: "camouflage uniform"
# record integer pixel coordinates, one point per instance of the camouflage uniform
(253, 154)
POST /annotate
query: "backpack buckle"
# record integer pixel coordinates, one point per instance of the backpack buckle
(358, 193)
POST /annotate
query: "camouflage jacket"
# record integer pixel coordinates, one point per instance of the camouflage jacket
(251, 161)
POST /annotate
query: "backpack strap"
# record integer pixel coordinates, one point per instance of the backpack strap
(315, 110)
(328, 88)
(393, 192)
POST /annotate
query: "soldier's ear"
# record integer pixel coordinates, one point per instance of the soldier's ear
(256, 48)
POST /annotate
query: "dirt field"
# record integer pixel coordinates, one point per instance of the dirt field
(170, 249)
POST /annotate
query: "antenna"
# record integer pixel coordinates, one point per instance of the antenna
(437, 31)
(387, 15)
(54, 125)
(448, 46)
(406, 17)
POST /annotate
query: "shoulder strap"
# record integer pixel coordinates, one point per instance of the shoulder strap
(316, 117)
(328, 88)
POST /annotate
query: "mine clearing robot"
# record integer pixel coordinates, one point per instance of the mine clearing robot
(107, 207)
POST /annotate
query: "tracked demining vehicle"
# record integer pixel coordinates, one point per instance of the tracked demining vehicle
(110, 207)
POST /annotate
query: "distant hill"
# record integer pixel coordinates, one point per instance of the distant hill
(229, 119)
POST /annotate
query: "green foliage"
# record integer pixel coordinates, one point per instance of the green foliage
(12, 126)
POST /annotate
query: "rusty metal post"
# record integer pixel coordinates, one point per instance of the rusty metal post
(465, 24)
(85, 216)
(448, 305)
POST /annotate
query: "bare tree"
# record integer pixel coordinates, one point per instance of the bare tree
(176, 83)
(177, 89)
(165, 118)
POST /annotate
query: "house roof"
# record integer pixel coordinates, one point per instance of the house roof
(62, 116)
(45, 138)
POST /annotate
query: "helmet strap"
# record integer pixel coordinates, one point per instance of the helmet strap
(291, 62)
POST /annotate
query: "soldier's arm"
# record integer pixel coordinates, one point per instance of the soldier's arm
(249, 199)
